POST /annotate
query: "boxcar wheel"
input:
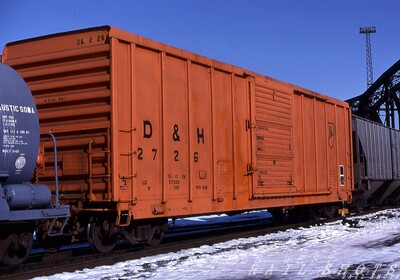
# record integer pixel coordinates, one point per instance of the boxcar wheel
(19, 248)
(329, 211)
(278, 215)
(98, 236)
(315, 214)
(155, 235)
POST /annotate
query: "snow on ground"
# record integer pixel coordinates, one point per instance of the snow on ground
(371, 250)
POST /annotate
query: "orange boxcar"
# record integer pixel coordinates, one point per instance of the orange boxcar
(147, 130)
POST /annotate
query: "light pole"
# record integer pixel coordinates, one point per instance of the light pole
(367, 31)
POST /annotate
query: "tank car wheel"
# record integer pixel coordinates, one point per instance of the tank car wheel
(99, 237)
(18, 249)
(155, 235)
(52, 244)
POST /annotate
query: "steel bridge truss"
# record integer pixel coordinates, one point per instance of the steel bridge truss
(381, 101)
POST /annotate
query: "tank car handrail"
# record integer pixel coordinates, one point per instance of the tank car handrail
(55, 165)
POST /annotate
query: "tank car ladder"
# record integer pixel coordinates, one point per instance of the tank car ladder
(59, 211)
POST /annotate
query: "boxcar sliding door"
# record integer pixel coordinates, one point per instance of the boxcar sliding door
(271, 127)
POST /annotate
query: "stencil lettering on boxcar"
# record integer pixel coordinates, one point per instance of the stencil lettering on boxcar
(154, 153)
(175, 135)
(147, 134)
(174, 181)
(147, 129)
(200, 140)
(90, 39)
(53, 99)
(331, 135)
(200, 135)
(140, 154)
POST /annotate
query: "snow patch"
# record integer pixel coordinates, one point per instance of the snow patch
(332, 251)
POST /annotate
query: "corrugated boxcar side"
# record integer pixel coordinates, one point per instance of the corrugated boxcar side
(303, 145)
(164, 132)
(182, 147)
(322, 145)
(69, 76)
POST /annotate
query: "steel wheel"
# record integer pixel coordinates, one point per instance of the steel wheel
(99, 236)
(155, 235)
(52, 244)
(19, 248)
(315, 214)
(329, 211)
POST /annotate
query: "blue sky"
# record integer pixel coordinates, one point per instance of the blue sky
(311, 43)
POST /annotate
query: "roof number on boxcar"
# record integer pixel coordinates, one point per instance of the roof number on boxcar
(90, 39)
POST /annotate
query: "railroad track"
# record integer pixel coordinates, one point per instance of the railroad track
(177, 238)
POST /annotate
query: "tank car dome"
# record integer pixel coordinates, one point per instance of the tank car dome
(19, 128)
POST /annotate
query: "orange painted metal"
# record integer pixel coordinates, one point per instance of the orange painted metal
(149, 130)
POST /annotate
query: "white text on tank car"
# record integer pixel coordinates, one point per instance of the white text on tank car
(17, 109)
